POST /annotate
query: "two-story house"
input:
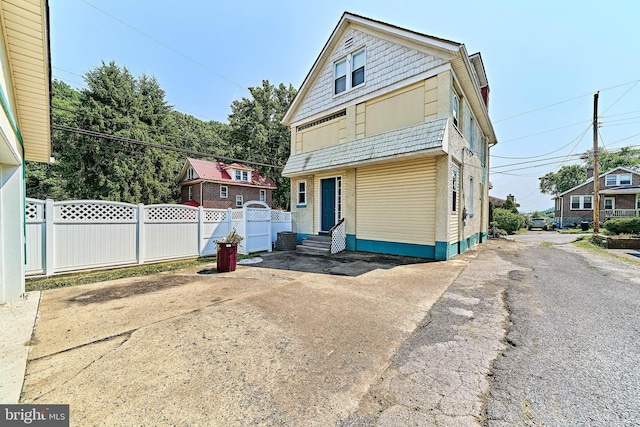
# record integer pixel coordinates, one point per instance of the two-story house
(390, 131)
(619, 198)
(219, 185)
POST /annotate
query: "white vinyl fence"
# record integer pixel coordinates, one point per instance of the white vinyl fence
(84, 234)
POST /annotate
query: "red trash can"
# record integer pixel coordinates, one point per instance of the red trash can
(226, 257)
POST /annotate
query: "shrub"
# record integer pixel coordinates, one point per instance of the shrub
(508, 221)
(623, 225)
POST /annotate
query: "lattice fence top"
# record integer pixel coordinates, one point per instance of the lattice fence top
(258, 214)
(339, 239)
(96, 211)
(215, 215)
(237, 214)
(280, 216)
(170, 213)
(34, 210)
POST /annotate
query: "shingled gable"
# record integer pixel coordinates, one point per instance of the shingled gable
(590, 180)
(465, 66)
(217, 172)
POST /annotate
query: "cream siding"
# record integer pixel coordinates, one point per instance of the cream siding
(322, 135)
(401, 108)
(397, 202)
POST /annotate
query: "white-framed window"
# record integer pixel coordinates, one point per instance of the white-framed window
(190, 196)
(455, 111)
(356, 63)
(191, 174)
(339, 197)
(238, 175)
(263, 195)
(638, 201)
(471, 130)
(245, 176)
(610, 203)
(302, 193)
(455, 171)
(618, 179)
(471, 196)
(224, 191)
(581, 202)
(238, 200)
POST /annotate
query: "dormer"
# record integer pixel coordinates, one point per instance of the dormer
(239, 172)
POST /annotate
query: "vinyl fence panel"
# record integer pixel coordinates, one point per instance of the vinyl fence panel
(85, 234)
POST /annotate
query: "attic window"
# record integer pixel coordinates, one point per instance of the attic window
(343, 80)
(191, 174)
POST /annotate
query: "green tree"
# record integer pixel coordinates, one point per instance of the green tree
(624, 157)
(47, 180)
(257, 134)
(565, 179)
(117, 103)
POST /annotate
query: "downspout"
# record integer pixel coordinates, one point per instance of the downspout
(16, 131)
(561, 211)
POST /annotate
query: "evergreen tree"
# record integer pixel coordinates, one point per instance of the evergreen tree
(257, 134)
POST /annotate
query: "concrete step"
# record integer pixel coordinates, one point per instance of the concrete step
(313, 250)
(322, 238)
(316, 244)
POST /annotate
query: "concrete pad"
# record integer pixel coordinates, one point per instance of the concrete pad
(16, 323)
(258, 346)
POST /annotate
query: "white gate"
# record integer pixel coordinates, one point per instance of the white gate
(258, 227)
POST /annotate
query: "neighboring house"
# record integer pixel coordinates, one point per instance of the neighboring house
(498, 202)
(25, 127)
(619, 198)
(390, 131)
(222, 186)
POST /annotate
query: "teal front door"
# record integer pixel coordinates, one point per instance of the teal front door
(328, 208)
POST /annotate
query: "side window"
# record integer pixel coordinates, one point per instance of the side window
(263, 195)
(471, 196)
(357, 68)
(302, 193)
(575, 202)
(238, 200)
(224, 191)
(455, 171)
(587, 202)
(340, 76)
(456, 109)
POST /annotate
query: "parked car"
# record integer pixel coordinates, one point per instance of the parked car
(538, 223)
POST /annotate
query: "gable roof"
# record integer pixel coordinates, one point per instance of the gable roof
(468, 74)
(217, 172)
(589, 180)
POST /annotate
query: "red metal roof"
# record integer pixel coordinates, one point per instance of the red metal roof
(217, 171)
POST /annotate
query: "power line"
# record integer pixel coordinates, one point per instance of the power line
(562, 102)
(166, 45)
(621, 96)
(536, 161)
(546, 131)
(154, 145)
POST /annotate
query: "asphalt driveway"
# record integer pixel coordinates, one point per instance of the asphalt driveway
(270, 344)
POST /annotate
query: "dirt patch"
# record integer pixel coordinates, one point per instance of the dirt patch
(350, 264)
(127, 290)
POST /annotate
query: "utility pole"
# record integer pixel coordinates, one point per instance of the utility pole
(596, 168)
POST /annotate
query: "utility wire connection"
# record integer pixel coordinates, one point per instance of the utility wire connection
(154, 145)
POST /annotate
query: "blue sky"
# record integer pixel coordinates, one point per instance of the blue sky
(544, 60)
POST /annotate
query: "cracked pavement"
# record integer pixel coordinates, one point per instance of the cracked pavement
(441, 374)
